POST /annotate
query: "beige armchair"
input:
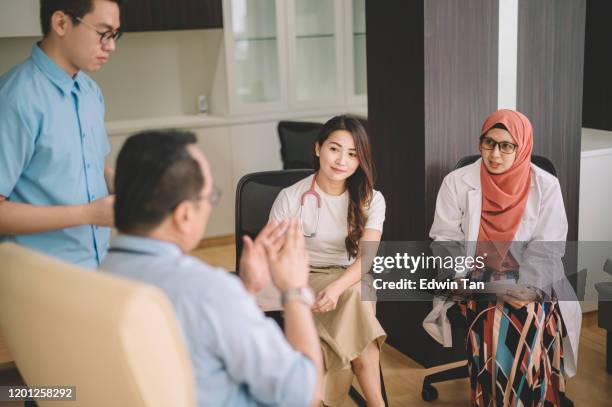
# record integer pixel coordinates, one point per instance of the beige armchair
(117, 341)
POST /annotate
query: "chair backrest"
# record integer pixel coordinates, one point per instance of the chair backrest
(255, 195)
(297, 143)
(541, 161)
(607, 267)
(117, 341)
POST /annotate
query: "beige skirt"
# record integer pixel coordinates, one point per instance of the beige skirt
(345, 332)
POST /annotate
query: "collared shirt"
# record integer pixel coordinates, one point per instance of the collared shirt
(52, 150)
(240, 357)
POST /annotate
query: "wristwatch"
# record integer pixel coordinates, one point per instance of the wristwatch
(304, 294)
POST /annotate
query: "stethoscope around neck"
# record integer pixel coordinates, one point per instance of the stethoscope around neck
(311, 191)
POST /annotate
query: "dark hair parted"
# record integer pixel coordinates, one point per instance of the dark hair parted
(360, 184)
(154, 174)
(74, 8)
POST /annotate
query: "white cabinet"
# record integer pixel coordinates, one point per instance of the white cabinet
(19, 18)
(355, 35)
(316, 60)
(291, 55)
(594, 221)
(255, 55)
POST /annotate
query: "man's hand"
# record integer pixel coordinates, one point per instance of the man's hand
(101, 211)
(254, 269)
(288, 259)
(327, 299)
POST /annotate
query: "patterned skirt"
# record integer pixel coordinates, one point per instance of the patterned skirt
(515, 356)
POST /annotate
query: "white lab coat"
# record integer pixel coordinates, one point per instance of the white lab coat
(457, 219)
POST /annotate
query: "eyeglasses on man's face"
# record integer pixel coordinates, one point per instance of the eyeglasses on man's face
(214, 196)
(105, 36)
(504, 146)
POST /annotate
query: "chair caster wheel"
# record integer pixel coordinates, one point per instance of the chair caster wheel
(429, 393)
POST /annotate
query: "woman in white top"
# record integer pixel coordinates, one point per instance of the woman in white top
(340, 210)
(524, 338)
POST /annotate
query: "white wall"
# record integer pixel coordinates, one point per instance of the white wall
(159, 73)
(150, 74)
(594, 218)
(14, 51)
(507, 54)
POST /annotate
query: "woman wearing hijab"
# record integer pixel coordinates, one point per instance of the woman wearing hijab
(522, 337)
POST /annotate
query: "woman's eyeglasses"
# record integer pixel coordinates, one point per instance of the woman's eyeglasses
(504, 146)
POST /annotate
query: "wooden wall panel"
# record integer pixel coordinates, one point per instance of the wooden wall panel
(549, 90)
(161, 15)
(461, 48)
(396, 90)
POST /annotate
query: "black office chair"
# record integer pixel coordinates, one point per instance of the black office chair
(255, 195)
(428, 391)
(297, 141)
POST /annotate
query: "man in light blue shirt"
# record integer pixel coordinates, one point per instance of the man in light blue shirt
(164, 196)
(54, 194)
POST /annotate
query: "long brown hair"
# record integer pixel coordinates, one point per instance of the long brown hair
(360, 185)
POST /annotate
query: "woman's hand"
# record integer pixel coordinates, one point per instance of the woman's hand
(327, 299)
(522, 296)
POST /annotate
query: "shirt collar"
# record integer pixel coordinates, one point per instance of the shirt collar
(145, 245)
(54, 72)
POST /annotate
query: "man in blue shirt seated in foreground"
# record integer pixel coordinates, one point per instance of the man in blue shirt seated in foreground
(164, 196)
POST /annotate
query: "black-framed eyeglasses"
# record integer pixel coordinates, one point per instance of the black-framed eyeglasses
(105, 36)
(504, 146)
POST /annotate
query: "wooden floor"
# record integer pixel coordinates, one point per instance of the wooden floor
(592, 386)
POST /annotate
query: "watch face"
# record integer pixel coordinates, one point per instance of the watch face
(304, 294)
(308, 295)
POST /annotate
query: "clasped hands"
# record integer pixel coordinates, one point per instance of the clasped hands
(278, 253)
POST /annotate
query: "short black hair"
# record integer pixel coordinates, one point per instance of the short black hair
(154, 174)
(74, 8)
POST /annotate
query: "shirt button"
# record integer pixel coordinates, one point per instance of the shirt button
(93, 197)
(83, 135)
(88, 166)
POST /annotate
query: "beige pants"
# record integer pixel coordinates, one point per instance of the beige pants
(345, 332)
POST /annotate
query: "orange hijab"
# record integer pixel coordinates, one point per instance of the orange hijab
(504, 196)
